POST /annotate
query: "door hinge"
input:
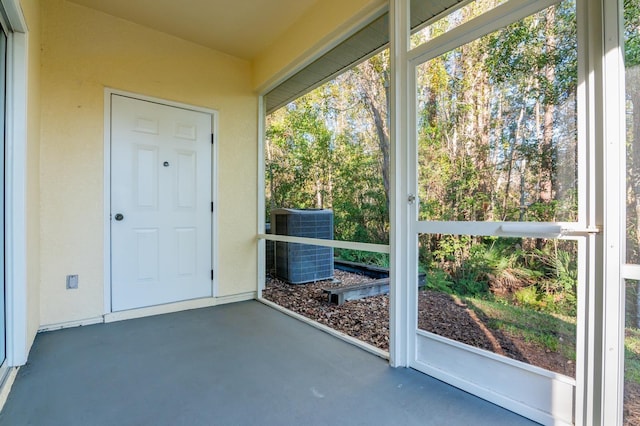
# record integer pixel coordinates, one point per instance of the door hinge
(212, 206)
(212, 275)
(212, 138)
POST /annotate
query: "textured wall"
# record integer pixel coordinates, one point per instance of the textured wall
(84, 51)
(31, 13)
(320, 25)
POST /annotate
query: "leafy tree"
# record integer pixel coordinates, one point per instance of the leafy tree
(496, 140)
(330, 149)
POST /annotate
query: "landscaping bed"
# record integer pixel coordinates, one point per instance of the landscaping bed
(446, 315)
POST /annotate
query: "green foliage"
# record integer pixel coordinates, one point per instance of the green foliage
(632, 355)
(471, 278)
(496, 135)
(495, 118)
(439, 280)
(632, 32)
(552, 331)
(304, 174)
(365, 257)
(558, 284)
(631, 303)
(322, 152)
(543, 279)
(527, 297)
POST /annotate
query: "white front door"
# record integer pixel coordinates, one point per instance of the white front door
(160, 204)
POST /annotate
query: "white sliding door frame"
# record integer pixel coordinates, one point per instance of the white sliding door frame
(17, 338)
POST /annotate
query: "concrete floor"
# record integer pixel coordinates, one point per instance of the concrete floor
(240, 364)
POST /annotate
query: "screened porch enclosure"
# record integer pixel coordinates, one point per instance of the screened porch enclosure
(479, 160)
(495, 196)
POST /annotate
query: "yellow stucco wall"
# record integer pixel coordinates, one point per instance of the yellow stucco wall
(83, 52)
(31, 12)
(320, 25)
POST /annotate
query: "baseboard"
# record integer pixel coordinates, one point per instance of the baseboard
(160, 309)
(177, 307)
(240, 297)
(152, 310)
(70, 324)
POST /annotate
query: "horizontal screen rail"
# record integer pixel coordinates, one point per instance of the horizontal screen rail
(506, 229)
(631, 272)
(350, 245)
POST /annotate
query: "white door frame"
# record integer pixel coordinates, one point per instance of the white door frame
(108, 92)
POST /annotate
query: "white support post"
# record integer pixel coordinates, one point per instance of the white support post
(262, 251)
(614, 190)
(402, 234)
(588, 410)
(599, 394)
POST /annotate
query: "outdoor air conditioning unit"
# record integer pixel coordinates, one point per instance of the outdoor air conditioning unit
(303, 263)
(270, 253)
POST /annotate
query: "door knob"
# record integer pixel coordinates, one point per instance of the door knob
(119, 216)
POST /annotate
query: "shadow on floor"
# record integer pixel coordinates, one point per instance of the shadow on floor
(240, 364)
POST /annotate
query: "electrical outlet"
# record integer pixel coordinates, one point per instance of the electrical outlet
(72, 281)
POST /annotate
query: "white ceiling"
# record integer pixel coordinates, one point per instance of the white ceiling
(241, 28)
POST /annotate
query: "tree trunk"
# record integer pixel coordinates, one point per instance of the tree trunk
(516, 138)
(547, 182)
(370, 82)
(633, 176)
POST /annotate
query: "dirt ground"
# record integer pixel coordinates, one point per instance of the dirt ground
(368, 320)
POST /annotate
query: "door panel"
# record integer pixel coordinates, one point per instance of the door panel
(148, 252)
(186, 239)
(187, 184)
(147, 176)
(161, 187)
